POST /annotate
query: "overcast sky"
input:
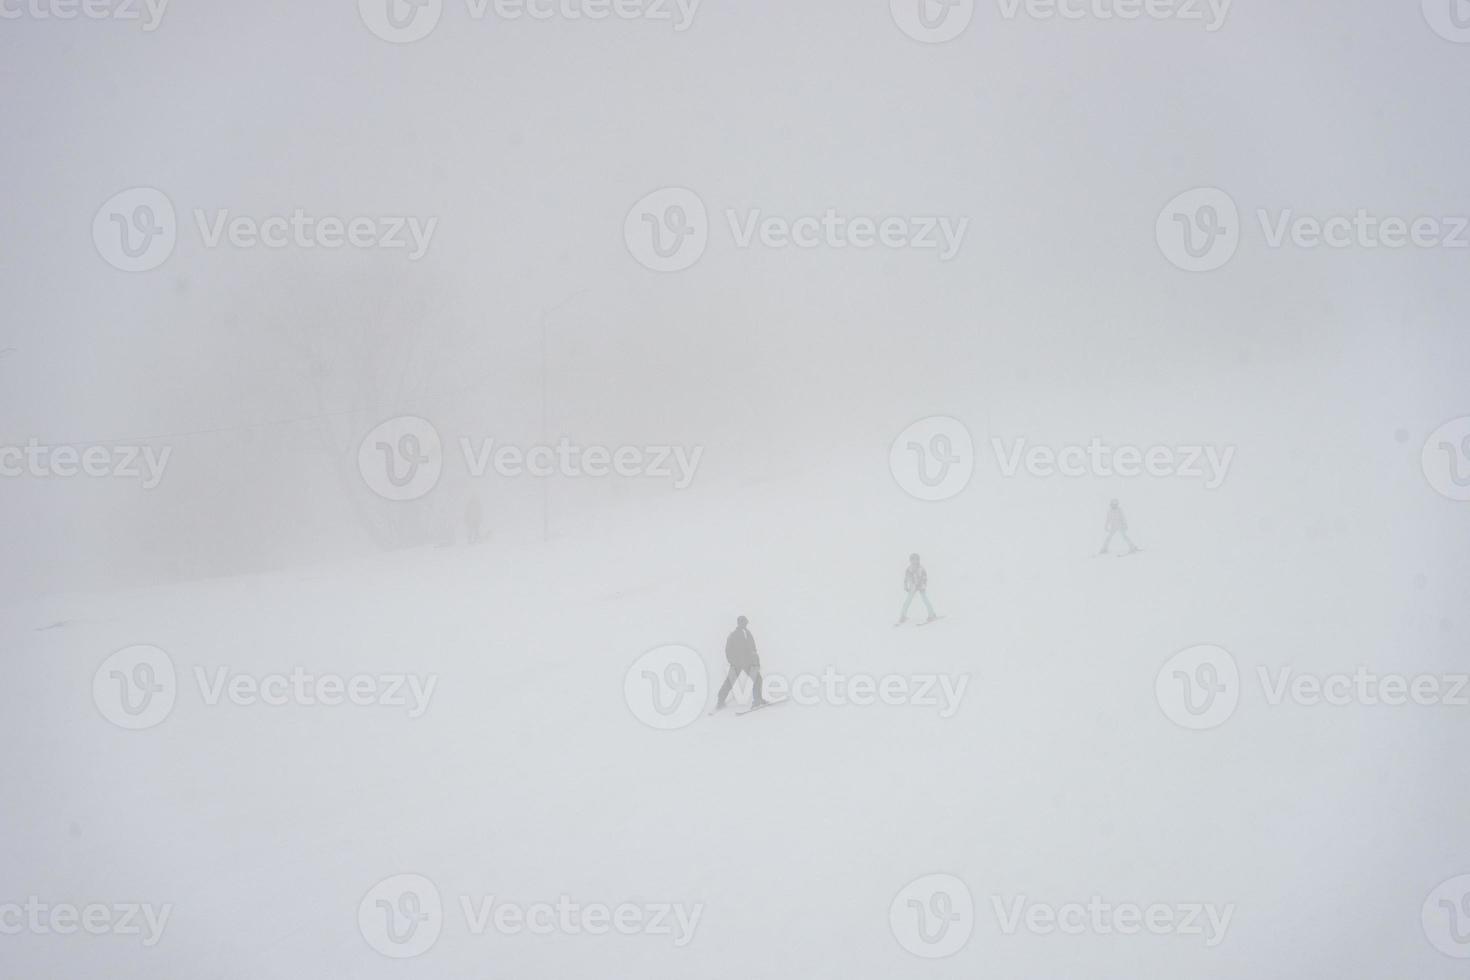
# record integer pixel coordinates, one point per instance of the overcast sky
(522, 145)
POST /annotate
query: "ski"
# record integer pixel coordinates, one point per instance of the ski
(763, 704)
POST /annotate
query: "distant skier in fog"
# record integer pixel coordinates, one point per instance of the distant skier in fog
(1117, 524)
(915, 583)
(741, 654)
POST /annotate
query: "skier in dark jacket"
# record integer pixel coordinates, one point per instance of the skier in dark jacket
(741, 654)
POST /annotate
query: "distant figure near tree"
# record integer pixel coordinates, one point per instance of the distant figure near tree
(915, 583)
(1116, 524)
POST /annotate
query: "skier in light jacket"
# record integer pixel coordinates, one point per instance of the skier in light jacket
(915, 583)
(1116, 524)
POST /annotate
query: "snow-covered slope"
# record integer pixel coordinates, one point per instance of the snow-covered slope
(1056, 779)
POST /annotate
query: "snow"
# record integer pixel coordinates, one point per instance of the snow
(529, 777)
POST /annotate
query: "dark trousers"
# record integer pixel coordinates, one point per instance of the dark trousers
(754, 670)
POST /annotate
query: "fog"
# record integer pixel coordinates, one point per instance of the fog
(295, 275)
